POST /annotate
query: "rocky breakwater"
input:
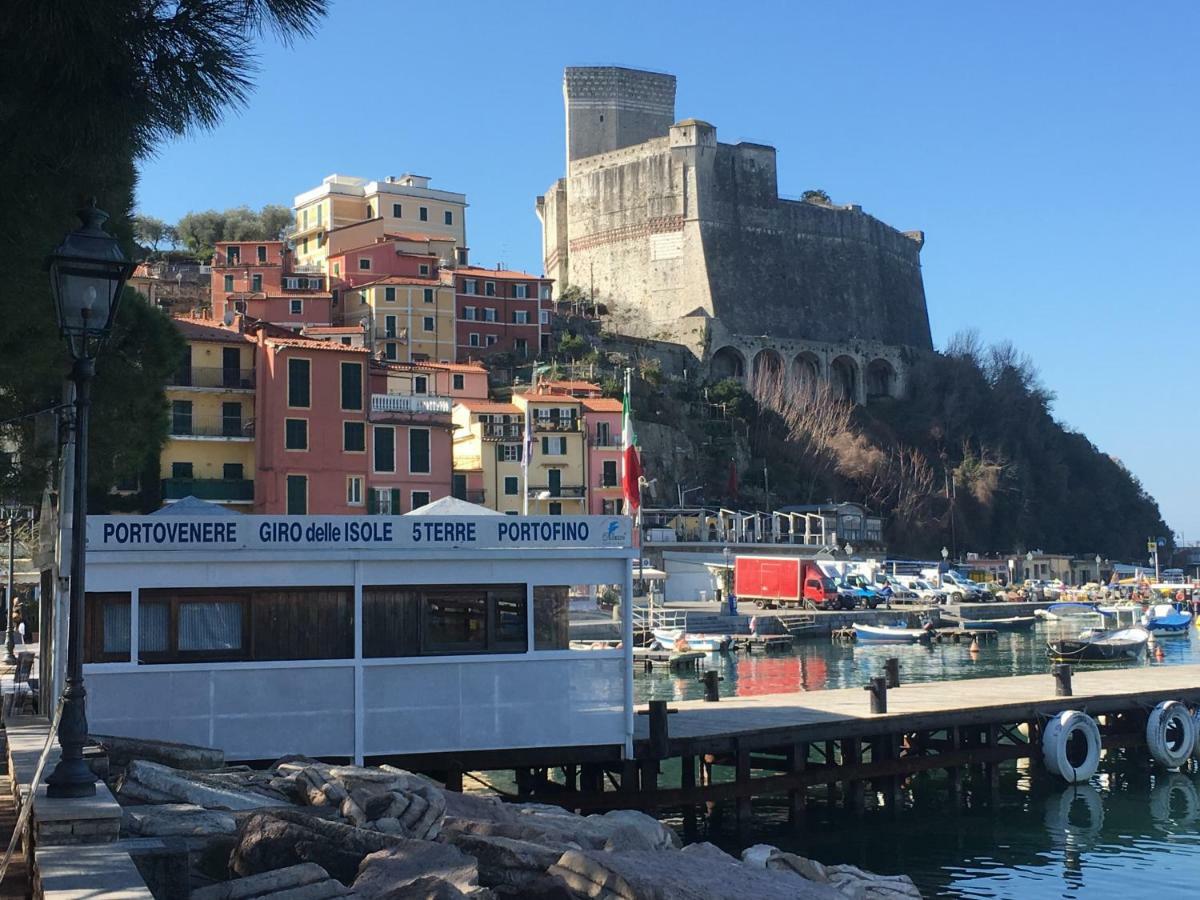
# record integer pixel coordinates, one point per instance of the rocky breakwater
(306, 830)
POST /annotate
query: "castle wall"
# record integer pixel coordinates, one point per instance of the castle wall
(610, 107)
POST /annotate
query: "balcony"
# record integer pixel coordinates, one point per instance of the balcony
(406, 407)
(608, 443)
(220, 490)
(224, 261)
(212, 427)
(574, 423)
(392, 334)
(495, 432)
(472, 496)
(562, 492)
(214, 377)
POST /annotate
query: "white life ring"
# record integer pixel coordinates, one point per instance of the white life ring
(1060, 748)
(1174, 801)
(1170, 734)
(1075, 830)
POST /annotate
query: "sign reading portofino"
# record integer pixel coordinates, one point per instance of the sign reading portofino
(124, 533)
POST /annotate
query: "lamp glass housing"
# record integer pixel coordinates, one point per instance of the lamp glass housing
(87, 274)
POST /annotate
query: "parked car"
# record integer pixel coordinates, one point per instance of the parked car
(963, 590)
(926, 591)
(865, 594)
(901, 594)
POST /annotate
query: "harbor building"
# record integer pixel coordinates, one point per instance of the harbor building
(500, 311)
(258, 279)
(488, 449)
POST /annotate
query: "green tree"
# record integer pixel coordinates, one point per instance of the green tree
(150, 231)
(199, 232)
(816, 195)
(86, 90)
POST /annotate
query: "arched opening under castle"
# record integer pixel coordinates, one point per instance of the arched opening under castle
(768, 368)
(806, 368)
(728, 362)
(881, 379)
(843, 375)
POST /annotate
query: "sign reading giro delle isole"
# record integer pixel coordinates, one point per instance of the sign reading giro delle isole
(140, 533)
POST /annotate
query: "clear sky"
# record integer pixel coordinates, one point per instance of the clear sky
(1048, 151)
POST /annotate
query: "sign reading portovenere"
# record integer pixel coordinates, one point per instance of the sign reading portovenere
(124, 533)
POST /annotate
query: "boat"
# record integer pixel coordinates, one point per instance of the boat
(883, 634)
(705, 643)
(1164, 618)
(1011, 623)
(1122, 645)
(1075, 610)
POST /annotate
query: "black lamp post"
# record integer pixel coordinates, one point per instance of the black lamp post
(87, 273)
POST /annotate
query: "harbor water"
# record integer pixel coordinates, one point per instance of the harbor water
(1132, 831)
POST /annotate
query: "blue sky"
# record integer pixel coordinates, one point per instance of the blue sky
(1048, 151)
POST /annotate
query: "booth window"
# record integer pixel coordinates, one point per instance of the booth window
(551, 627)
(443, 620)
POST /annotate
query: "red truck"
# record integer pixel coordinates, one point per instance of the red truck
(771, 581)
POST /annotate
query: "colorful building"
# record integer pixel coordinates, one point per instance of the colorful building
(210, 449)
(487, 454)
(258, 279)
(403, 204)
(500, 311)
(558, 475)
(602, 421)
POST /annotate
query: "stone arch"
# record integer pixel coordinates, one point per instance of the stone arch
(843, 377)
(768, 367)
(728, 362)
(881, 379)
(806, 368)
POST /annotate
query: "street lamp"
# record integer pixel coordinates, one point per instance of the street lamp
(1098, 561)
(87, 273)
(10, 514)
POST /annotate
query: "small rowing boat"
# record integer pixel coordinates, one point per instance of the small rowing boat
(670, 638)
(1011, 623)
(1166, 619)
(882, 634)
(1072, 611)
(1123, 645)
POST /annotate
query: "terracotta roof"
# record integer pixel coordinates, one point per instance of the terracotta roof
(602, 404)
(468, 368)
(565, 385)
(385, 240)
(331, 329)
(414, 237)
(489, 406)
(555, 399)
(476, 272)
(427, 281)
(195, 330)
(305, 344)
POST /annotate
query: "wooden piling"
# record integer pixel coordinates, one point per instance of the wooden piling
(797, 761)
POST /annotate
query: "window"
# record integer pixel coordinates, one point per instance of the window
(364, 263)
(489, 288)
(389, 351)
(610, 507)
(304, 218)
(234, 254)
(608, 477)
(346, 341)
(554, 446)
(181, 470)
(181, 417)
(602, 434)
(315, 284)
(256, 282)
(362, 298)
(354, 438)
(389, 294)
(304, 246)
(262, 254)
(423, 213)
(418, 451)
(489, 314)
(521, 291)
(337, 270)
(427, 323)
(511, 485)
(521, 346)
(419, 499)
(424, 268)
(297, 307)
(473, 340)
(297, 495)
(520, 317)
(472, 620)
(510, 452)
(491, 340)
(354, 495)
(320, 213)
(385, 448)
(555, 508)
(352, 377)
(449, 217)
(291, 283)
(298, 383)
(551, 626)
(370, 211)
(231, 419)
(469, 313)
(420, 384)
(462, 256)
(233, 472)
(470, 286)
(228, 283)
(458, 382)
(544, 316)
(428, 295)
(397, 211)
(295, 434)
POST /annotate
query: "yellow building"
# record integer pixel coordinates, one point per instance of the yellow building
(406, 319)
(403, 204)
(558, 475)
(209, 453)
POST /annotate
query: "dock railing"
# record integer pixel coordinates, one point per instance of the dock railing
(647, 618)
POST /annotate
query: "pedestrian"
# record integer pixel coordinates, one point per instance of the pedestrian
(18, 627)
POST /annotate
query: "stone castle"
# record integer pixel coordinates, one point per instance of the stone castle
(686, 239)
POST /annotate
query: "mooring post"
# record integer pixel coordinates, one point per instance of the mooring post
(454, 778)
(711, 679)
(742, 777)
(687, 782)
(629, 776)
(878, 688)
(1062, 679)
(891, 669)
(659, 734)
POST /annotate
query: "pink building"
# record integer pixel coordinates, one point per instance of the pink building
(602, 419)
(499, 311)
(256, 278)
(311, 433)
(408, 255)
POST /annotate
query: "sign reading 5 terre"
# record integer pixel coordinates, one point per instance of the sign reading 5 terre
(141, 533)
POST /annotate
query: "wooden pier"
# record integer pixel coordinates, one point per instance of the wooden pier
(802, 743)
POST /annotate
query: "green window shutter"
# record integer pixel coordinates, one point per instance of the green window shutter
(372, 502)
(352, 386)
(395, 501)
(545, 446)
(499, 453)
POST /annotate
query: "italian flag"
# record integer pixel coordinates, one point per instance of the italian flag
(631, 463)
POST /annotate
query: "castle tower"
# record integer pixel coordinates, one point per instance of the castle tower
(609, 107)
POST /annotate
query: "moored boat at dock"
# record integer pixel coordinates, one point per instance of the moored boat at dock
(1123, 645)
(882, 634)
(1164, 618)
(1010, 623)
